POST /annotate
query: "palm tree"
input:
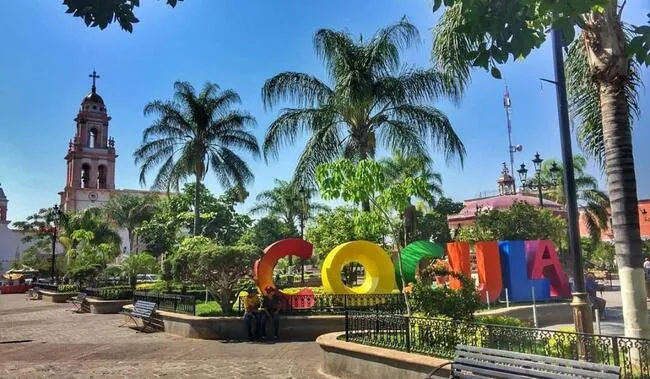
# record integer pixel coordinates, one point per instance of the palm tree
(287, 201)
(399, 167)
(193, 133)
(371, 101)
(602, 83)
(594, 202)
(129, 212)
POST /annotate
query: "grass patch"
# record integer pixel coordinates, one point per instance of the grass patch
(209, 309)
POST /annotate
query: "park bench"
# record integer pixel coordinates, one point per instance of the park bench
(33, 294)
(78, 301)
(142, 310)
(478, 362)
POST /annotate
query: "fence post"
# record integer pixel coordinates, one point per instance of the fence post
(615, 351)
(408, 334)
(347, 326)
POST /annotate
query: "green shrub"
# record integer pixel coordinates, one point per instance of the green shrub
(209, 309)
(502, 320)
(116, 293)
(67, 288)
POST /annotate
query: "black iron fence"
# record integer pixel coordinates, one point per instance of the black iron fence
(168, 302)
(109, 293)
(438, 337)
(336, 304)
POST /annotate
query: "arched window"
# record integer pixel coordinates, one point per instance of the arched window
(85, 175)
(92, 138)
(101, 176)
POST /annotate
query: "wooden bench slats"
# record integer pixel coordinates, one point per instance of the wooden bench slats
(476, 362)
(487, 372)
(526, 356)
(143, 310)
(511, 370)
(538, 362)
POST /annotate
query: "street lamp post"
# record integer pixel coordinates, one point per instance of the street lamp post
(582, 317)
(301, 219)
(538, 183)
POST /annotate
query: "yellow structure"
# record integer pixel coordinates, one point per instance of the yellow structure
(379, 271)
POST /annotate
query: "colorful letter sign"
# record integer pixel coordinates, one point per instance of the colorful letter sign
(515, 274)
(379, 276)
(263, 268)
(412, 254)
(488, 265)
(544, 263)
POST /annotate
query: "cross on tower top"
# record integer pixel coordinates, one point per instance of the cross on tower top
(95, 77)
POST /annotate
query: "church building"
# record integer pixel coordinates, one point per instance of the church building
(91, 156)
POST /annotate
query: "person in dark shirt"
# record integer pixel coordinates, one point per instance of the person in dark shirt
(271, 311)
(591, 287)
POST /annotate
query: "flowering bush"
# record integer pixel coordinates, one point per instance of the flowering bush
(443, 301)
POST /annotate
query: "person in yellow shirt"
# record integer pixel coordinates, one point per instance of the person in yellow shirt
(252, 315)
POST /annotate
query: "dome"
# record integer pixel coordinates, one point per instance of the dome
(93, 97)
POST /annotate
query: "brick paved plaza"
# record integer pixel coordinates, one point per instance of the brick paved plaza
(64, 344)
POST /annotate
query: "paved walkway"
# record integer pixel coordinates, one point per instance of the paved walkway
(613, 323)
(45, 340)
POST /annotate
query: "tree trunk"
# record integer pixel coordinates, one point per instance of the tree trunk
(609, 63)
(129, 233)
(197, 213)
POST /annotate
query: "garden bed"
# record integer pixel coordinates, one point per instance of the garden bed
(293, 328)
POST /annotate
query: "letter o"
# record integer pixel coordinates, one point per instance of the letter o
(379, 271)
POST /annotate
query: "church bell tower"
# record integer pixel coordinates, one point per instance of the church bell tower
(91, 156)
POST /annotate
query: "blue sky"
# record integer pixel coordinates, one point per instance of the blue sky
(46, 56)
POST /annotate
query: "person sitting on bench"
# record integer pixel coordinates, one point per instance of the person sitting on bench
(591, 286)
(251, 315)
(271, 311)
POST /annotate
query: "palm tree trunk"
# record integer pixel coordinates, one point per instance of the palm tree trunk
(197, 213)
(619, 163)
(609, 62)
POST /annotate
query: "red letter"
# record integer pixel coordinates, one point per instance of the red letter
(543, 263)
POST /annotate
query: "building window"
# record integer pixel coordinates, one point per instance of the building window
(101, 176)
(85, 175)
(92, 138)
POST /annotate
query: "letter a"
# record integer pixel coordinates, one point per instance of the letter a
(543, 263)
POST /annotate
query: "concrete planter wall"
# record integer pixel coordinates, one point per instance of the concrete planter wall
(100, 306)
(355, 361)
(547, 314)
(56, 297)
(294, 328)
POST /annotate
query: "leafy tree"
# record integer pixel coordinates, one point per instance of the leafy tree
(399, 166)
(159, 234)
(521, 221)
(101, 13)
(193, 133)
(223, 269)
(366, 181)
(603, 76)
(594, 202)
(371, 101)
(266, 231)
(129, 212)
(136, 264)
(343, 224)
(447, 206)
